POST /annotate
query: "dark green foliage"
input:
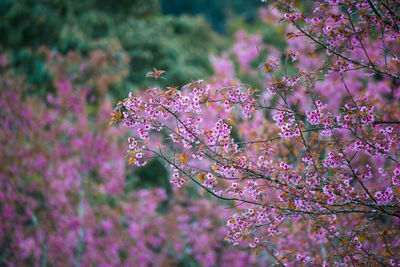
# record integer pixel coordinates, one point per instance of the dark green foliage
(154, 174)
(179, 45)
(216, 12)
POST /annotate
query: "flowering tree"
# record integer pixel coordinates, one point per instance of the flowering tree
(63, 197)
(312, 160)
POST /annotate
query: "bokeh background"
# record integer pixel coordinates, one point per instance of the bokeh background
(67, 194)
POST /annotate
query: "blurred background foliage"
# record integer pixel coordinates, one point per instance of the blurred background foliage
(174, 35)
(121, 41)
(217, 13)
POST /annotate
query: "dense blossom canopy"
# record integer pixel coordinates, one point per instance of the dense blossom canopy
(311, 160)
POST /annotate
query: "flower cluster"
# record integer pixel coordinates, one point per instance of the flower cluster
(286, 122)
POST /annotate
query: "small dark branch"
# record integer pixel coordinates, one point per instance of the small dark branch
(344, 57)
(394, 16)
(380, 15)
